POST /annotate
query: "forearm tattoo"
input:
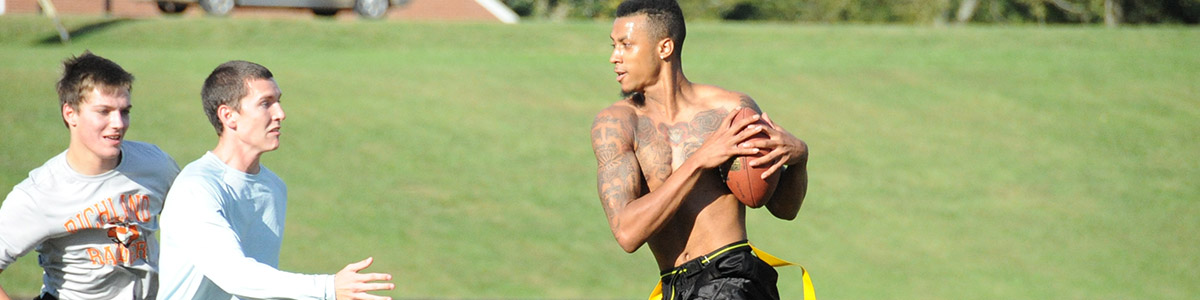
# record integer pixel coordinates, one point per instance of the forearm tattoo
(618, 174)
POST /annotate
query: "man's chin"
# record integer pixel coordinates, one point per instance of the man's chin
(109, 153)
(637, 97)
(273, 146)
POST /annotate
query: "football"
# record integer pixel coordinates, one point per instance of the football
(744, 181)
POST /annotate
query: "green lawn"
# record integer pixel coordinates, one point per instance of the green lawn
(952, 163)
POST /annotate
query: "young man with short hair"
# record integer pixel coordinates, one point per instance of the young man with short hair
(658, 151)
(92, 210)
(223, 224)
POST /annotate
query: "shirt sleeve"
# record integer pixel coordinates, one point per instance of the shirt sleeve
(171, 166)
(194, 221)
(22, 227)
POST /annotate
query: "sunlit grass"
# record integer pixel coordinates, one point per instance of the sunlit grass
(962, 163)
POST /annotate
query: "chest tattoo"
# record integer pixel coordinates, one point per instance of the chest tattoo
(662, 147)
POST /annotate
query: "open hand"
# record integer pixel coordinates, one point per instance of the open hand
(352, 285)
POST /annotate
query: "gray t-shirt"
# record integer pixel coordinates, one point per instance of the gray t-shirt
(94, 234)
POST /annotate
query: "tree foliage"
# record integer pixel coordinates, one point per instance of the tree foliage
(892, 11)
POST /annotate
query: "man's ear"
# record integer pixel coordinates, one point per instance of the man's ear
(228, 116)
(69, 115)
(666, 48)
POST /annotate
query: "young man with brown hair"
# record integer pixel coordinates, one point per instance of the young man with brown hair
(92, 210)
(223, 222)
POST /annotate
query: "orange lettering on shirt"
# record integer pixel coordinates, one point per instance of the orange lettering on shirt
(71, 226)
(109, 258)
(82, 223)
(118, 254)
(143, 207)
(104, 211)
(124, 201)
(87, 220)
(140, 249)
(125, 255)
(95, 256)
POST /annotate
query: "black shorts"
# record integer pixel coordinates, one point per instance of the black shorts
(731, 272)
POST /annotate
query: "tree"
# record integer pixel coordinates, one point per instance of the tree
(1112, 13)
(965, 11)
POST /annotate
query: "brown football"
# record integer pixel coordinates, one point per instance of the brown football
(744, 181)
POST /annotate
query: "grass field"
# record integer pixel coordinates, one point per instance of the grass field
(961, 163)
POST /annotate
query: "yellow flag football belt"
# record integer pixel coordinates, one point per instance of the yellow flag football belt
(657, 294)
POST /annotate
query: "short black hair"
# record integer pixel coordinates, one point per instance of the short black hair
(665, 19)
(227, 85)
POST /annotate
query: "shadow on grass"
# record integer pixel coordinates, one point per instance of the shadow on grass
(86, 30)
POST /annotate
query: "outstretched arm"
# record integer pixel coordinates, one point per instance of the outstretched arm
(634, 214)
(195, 232)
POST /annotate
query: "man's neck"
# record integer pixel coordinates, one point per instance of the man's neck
(237, 156)
(86, 163)
(671, 92)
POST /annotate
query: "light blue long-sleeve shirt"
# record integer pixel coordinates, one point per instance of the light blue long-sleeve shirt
(221, 234)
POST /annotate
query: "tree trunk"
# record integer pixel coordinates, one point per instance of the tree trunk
(541, 9)
(997, 12)
(1112, 13)
(560, 11)
(1039, 11)
(966, 10)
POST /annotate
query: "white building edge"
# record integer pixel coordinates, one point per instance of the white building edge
(501, 11)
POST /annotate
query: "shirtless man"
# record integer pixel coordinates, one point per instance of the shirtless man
(658, 152)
